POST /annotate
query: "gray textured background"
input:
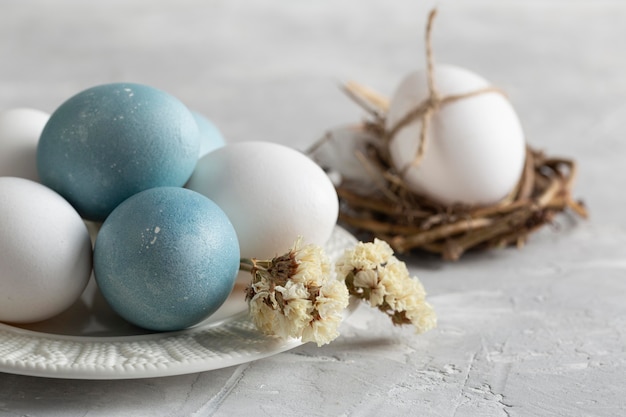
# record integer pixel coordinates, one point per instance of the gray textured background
(535, 332)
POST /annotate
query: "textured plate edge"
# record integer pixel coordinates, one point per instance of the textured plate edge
(270, 346)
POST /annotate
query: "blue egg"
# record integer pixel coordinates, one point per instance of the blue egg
(166, 258)
(210, 136)
(112, 141)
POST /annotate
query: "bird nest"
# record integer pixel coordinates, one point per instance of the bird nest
(386, 208)
(389, 210)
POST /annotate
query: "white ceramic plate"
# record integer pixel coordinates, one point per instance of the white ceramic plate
(89, 341)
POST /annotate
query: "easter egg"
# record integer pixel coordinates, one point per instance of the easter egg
(210, 136)
(45, 252)
(476, 148)
(109, 142)
(20, 129)
(272, 194)
(166, 258)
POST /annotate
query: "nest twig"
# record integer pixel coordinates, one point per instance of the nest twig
(408, 221)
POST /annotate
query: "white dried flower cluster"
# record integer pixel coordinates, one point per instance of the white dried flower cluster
(372, 272)
(297, 295)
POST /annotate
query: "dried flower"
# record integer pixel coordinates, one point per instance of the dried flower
(296, 295)
(372, 273)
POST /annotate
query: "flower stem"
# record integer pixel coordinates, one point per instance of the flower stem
(246, 264)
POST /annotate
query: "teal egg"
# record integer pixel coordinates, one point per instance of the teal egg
(210, 136)
(111, 141)
(166, 258)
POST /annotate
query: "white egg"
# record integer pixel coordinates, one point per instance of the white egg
(20, 129)
(45, 252)
(476, 147)
(271, 193)
(340, 152)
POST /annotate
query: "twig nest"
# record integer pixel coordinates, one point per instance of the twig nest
(386, 208)
(475, 148)
(449, 167)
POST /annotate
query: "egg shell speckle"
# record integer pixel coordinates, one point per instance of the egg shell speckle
(272, 194)
(166, 258)
(112, 141)
(45, 252)
(476, 147)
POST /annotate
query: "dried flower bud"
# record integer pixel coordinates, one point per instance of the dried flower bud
(372, 273)
(297, 295)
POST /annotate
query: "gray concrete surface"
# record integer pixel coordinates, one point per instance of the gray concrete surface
(533, 332)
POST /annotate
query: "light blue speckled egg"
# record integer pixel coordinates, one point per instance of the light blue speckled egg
(210, 136)
(166, 258)
(112, 141)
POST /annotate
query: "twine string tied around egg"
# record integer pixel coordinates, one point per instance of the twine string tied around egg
(431, 105)
(387, 209)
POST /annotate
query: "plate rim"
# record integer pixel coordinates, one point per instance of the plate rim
(239, 326)
(271, 346)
